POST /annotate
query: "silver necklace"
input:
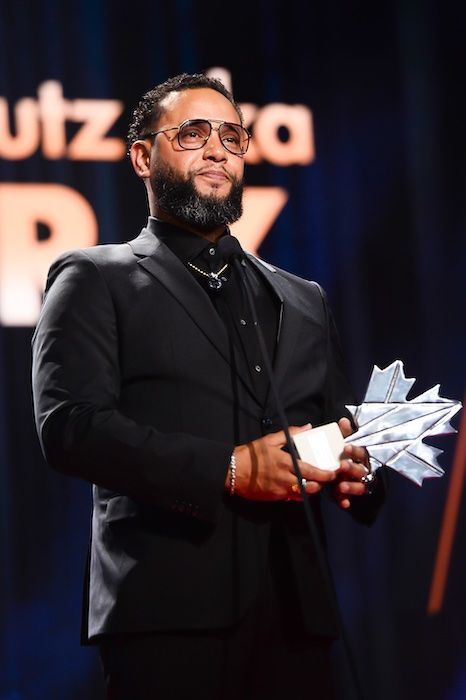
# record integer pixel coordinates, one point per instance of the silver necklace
(214, 277)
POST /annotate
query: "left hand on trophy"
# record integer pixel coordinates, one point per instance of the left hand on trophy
(353, 466)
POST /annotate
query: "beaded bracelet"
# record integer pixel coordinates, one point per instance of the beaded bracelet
(232, 474)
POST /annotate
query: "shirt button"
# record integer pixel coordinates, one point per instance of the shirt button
(211, 251)
(258, 368)
(242, 321)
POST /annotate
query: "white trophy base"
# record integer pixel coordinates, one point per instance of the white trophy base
(321, 447)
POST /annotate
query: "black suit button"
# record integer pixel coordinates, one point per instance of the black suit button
(267, 422)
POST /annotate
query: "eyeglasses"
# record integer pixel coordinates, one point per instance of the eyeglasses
(194, 133)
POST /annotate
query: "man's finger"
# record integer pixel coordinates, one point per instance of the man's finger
(309, 486)
(352, 469)
(278, 439)
(351, 488)
(345, 427)
(312, 475)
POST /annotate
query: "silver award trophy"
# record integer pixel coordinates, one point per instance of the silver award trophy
(390, 427)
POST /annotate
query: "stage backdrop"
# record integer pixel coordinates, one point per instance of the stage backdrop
(355, 179)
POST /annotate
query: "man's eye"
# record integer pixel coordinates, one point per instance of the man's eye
(231, 136)
(192, 134)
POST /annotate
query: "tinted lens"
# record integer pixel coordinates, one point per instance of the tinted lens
(194, 133)
(234, 138)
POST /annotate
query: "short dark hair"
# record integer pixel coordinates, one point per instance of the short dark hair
(148, 110)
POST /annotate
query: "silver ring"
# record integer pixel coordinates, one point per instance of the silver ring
(369, 482)
(304, 483)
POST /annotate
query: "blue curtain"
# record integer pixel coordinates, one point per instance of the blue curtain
(378, 218)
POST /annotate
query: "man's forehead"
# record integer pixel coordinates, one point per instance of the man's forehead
(197, 102)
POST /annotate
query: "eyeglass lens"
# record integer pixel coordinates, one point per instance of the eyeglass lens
(195, 133)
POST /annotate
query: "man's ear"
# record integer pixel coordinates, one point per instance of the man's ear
(140, 158)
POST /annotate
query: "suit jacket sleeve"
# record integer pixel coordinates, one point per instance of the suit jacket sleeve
(76, 386)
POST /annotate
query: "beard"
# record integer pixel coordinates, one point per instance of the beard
(178, 197)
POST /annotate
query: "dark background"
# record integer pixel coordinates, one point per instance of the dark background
(379, 219)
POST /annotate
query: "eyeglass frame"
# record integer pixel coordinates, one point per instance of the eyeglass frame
(220, 123)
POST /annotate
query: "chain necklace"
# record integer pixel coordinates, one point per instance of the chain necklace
(214, 277)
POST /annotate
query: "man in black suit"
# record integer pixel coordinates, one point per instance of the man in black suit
(150, 382)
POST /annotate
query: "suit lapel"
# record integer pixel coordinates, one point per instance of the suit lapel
(160, 262)
(290, 318)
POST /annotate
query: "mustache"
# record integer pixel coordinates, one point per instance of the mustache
(220, 169)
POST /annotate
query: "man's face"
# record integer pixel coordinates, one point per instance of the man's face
(201, 188)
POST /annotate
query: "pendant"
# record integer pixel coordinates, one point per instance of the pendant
(214, 282)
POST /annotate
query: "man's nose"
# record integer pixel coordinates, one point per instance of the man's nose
(214, 148)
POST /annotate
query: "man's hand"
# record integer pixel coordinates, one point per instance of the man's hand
(264, 472)
(353, 466)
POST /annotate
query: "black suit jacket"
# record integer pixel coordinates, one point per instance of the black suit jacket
(134, 391)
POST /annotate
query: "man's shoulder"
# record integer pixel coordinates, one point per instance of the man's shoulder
(307, 285)
(101, 255)
(109, 261)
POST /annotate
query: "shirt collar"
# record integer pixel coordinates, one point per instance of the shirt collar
(185, 245)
